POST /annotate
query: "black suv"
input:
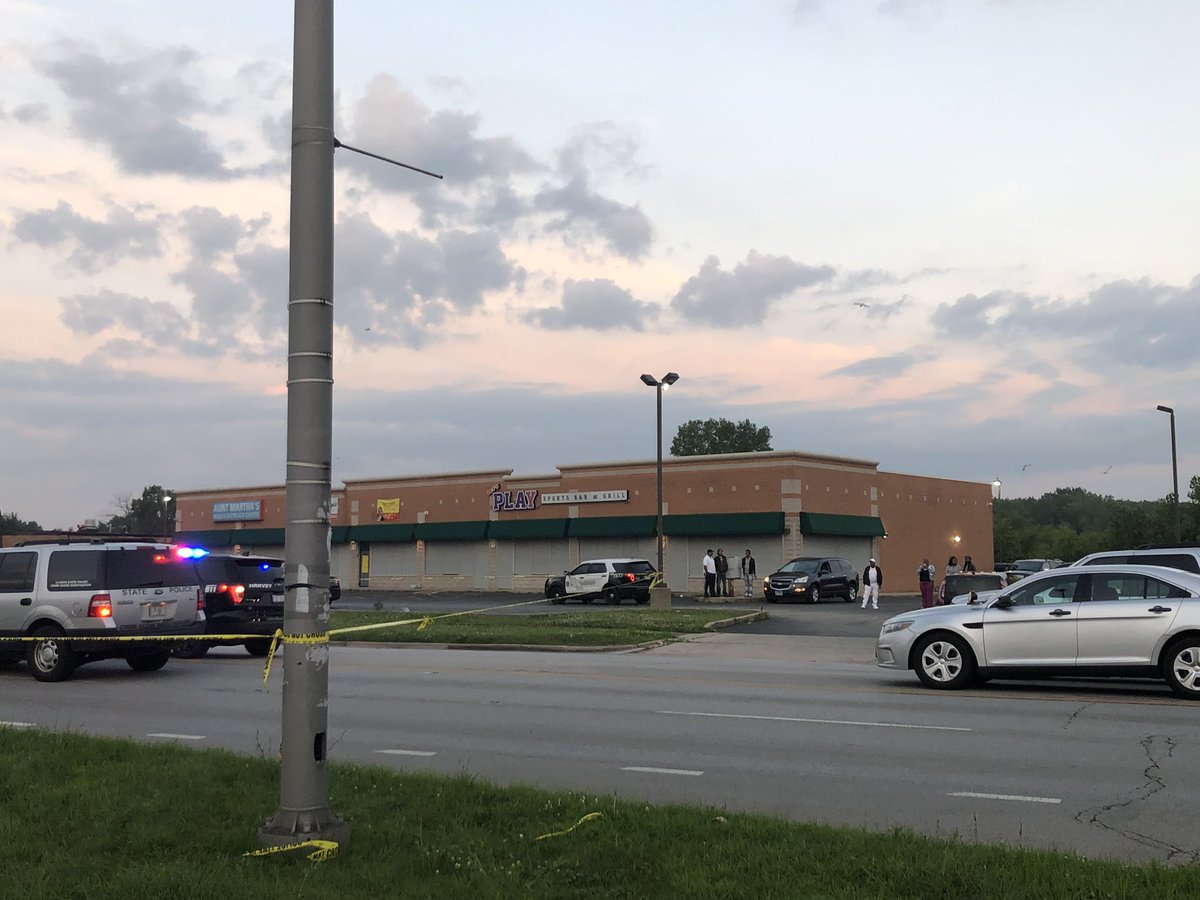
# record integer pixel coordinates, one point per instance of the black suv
(812, 578)
(242, 595)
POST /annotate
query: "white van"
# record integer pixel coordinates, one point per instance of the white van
(1186, 559)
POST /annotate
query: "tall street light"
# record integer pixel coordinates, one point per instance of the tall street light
(1174, 472)
(660, 595)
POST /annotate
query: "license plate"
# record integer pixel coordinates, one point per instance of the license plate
(277, 598)
(155, 611)
(778, 592)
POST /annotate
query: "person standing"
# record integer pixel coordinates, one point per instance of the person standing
(952, 568)
(925, 578)
(748, 573)
(872, 580)
(968, 566)
(710, 574)
(722, 561)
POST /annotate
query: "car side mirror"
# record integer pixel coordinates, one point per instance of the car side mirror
(1003, 603)
(972, 597)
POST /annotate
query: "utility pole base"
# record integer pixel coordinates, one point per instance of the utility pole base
(660, 597)
(293, 826)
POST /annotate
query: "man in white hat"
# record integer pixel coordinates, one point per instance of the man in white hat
(872, 581)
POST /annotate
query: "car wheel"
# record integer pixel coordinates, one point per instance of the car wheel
(51, 659)
(851, 592)
(190, 649)
(586, 601)
(769, 598)
(944, 661)
(1181, 667)
(814, 594)
(557, 599)
(148, 662)
(612, 596)
(642, 601)
(259, 647)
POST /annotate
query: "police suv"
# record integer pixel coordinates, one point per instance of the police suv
(103, 592)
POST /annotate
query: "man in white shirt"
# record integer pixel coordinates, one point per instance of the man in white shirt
(710, 574)
(872, 579)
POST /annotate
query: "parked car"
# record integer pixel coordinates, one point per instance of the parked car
(105, 591)
(613, 580)
(335, 588)
(242, 595)
(1185, 558)
(1025, 567)
(958, 587)
(812, 578)
(1103, 620)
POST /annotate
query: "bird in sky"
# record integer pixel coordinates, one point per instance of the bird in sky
(862, 304)
(1026, 466)
(1106, 471)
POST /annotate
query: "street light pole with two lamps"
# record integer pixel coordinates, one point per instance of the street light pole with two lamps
(1174, 472)
(660, 595)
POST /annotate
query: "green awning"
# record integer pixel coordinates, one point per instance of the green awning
(527, 529)
(841, 526)
(613, 526)
(260, 536)
(452, 531)
(383, 533)
(340, 534)
(724, 524)
(205, 539)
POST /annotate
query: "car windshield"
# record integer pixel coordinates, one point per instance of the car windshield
(800, 567)
(960, 584)
(637, 567)
(1032, 565)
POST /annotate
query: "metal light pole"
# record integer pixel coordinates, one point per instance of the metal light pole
(1174, 473)
(303, 812)
(660, 595)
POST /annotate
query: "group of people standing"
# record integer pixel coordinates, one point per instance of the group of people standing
(927, 576)
(717, 582)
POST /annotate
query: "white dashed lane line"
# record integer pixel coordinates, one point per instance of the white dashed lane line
(17, 725)
(656, 771)
(177, 737)
(1016, 797)
(712, 715)
(408, 752)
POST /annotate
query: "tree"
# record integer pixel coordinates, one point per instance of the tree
(153, 513)
(700, 437)
(11, 523)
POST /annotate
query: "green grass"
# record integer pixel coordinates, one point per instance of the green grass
(593, 628)
(112, 820)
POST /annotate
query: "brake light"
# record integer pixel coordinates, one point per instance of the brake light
(100, 607)
(629, 576)
(200, 600)
(237, 592)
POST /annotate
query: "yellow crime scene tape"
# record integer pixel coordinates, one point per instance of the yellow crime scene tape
(322, 850)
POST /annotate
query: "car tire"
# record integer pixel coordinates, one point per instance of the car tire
(586, 601)
(612, 596)
(814, 594)
(148, 662)
(259, 647)
(51, 659)
(769, 598)
(1181, 667)
(557, 599)
(190, 650)
(944, 662)
(642, 601)
(851, 592)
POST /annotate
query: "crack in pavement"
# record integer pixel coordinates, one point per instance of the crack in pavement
(1158, 749)
(1071, 718)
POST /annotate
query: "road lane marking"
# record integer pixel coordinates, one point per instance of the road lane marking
(17, 725)
(656, 771)
(1004, 797)
(711, 715)
(408, 752)
(177, 737)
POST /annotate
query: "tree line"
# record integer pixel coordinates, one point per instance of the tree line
(1072, 522)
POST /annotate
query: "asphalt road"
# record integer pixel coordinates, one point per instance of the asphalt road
(801, 727)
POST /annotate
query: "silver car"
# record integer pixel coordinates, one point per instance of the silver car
(1082, 621)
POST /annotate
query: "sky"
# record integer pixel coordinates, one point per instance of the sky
(957, 238)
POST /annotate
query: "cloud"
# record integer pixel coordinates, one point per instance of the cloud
(596, 304)
(27, 113)
(745, 295)
(404, 286)
(582, 216)
(140, 107)
(879, 368)
(210, 232)
(1139, 324)
(96, 244)
(911, 10)
(154, 322)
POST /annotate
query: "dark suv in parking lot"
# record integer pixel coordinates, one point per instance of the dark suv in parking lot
(812, 578)
(242, 595)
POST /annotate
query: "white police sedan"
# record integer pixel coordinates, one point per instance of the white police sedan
(1104, 621)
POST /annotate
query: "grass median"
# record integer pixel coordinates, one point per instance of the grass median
(109, 820)
(591, 628)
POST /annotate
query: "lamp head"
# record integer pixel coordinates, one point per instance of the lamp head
(1166, 409)
(670, 378)
(650, 380)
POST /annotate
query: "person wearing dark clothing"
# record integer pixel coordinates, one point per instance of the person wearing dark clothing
(872, 581)
(925, 578)
(723, 587)
(968, 566)
(748, 573)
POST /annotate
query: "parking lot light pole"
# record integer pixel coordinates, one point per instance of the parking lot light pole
(1174, 473)
(660, 595)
